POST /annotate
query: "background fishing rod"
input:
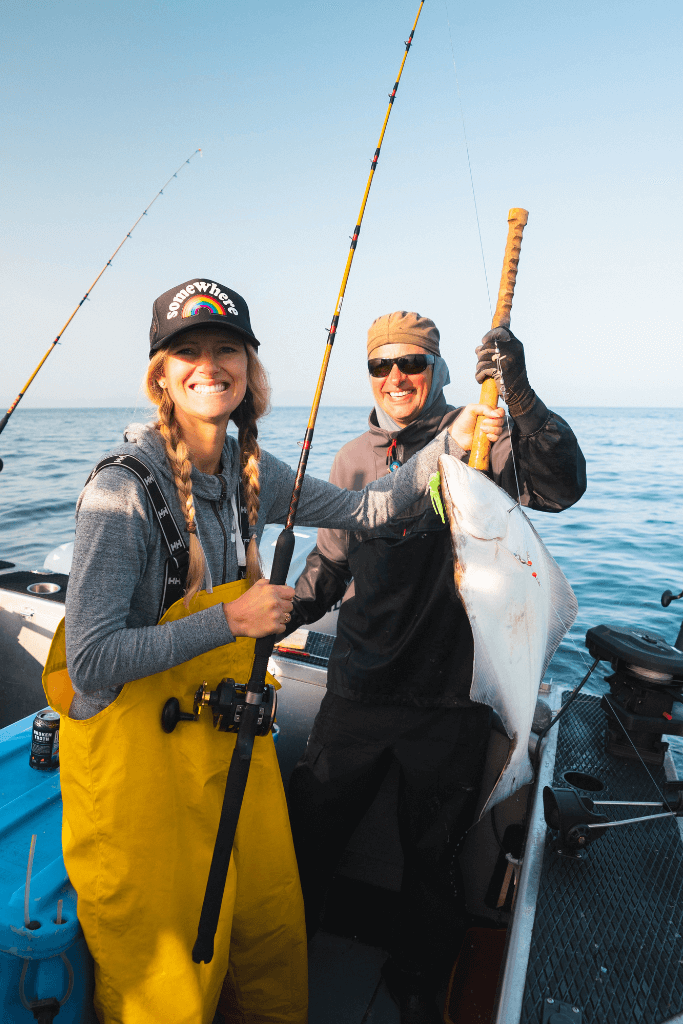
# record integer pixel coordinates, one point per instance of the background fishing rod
(241, 757)
(15, 403)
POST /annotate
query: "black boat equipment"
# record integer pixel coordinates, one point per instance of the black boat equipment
(645, 703)
(578, 824)
(668, 597)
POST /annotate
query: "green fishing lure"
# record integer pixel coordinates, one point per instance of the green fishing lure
(435, 495)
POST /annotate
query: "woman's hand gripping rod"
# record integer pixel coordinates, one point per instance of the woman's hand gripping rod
(517, 218)
(241, 757)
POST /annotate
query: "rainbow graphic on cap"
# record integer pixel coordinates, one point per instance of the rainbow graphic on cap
(194, 306)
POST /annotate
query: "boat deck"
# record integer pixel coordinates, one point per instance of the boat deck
(608, 930)
(345, 986)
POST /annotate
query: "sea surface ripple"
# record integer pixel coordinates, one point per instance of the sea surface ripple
(620, 546)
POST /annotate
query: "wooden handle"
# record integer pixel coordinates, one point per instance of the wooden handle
(517, 219)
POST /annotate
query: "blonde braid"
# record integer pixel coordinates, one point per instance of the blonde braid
(254, 405)
(181, 467)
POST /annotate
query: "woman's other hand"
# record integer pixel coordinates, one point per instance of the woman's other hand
(263, 610)
(462, 428)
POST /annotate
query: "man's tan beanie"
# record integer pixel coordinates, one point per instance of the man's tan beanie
(404, 328)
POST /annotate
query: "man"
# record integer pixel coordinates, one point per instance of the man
(401, 667)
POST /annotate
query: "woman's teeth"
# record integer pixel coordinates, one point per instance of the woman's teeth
(209, 389)
(398, 394)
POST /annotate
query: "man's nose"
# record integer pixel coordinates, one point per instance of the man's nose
(395, 377)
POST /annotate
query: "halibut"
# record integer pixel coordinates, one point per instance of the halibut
(517, 599)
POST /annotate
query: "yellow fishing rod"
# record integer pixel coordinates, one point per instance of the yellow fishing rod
(15, 403)
(306, 446)
(241, 758)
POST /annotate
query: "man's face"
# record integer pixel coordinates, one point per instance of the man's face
(401, 395)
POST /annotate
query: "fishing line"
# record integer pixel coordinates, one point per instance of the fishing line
(481, 243)
(469, 164)
(623, 728)
(15, 403)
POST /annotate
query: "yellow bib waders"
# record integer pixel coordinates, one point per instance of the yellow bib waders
(141, 810)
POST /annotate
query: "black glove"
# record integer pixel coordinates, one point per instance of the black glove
(508, 369)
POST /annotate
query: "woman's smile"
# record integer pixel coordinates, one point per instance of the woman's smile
(209, 389)
(205, 374)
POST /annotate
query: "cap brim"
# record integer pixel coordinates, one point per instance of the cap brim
(214, 322)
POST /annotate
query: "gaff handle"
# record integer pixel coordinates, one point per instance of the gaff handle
(517, 219)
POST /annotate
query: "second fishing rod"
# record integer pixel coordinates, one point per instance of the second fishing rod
(253, 707)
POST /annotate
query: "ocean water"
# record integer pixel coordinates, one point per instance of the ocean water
(620, 546)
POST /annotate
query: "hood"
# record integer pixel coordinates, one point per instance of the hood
(150, 447)
(438, 415)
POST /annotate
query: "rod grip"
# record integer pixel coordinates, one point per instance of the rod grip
(282, 559)
(517, 218)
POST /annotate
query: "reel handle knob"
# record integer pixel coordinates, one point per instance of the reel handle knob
(171, 715)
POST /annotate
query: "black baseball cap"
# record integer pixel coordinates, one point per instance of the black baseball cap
(193, 304)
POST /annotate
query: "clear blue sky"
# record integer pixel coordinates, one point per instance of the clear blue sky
(572, 110)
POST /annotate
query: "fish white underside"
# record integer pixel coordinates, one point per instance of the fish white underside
(518, 601)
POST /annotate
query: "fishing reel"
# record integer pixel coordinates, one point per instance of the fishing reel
(578, 823)
(226, 703)
(646, 691)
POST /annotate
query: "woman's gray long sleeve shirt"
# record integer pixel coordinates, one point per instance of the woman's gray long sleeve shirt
(119, 560)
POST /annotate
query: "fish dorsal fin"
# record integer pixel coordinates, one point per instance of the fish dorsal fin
(479, 506)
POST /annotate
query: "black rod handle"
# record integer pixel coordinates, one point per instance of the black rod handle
(282, 559)
(235, 784)
(238, 772)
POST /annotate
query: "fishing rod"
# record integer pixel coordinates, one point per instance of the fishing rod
(241, 757)
(15, 403)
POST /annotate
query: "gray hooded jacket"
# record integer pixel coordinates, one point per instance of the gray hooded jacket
(117, 574)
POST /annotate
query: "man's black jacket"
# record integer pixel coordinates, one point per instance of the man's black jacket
(402, 635)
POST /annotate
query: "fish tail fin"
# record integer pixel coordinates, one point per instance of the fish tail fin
(509, 780)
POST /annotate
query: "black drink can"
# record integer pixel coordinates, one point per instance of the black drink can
(45, 741)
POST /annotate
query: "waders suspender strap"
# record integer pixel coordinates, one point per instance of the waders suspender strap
(178, 554)
(241, 757)
(243, 515)
(175, 573)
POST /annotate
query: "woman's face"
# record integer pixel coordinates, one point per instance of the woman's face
(205, 375)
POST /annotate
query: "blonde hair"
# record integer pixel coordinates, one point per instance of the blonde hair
(254, 405)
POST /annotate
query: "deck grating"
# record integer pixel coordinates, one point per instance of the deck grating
(316, 652)
(608, 932)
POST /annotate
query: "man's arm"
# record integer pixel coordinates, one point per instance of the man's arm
(548, 466)
(326, 576)
(548, 471)
(321, 585)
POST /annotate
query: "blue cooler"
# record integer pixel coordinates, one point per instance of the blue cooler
(49, 962)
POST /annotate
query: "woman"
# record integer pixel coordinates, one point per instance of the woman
(141, 807)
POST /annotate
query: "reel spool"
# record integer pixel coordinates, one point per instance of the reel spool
(226, 703)
(646, 698)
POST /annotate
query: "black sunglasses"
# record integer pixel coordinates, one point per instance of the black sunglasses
(406, 364)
